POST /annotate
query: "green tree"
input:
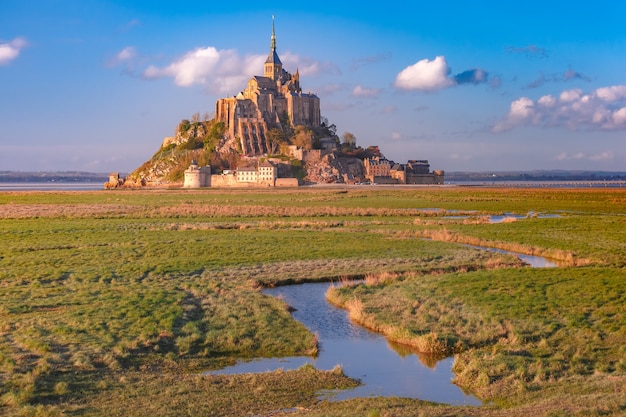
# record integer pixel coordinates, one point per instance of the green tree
(275, 138)
(349, 140)
(183, 127)
(303, 137)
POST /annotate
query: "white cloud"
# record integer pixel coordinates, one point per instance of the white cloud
(425, 75)
(225, 71)
(124, 56)
(11, 50)
(600, 109)
(613, 93)
(547, 101)
(192, 68)
(359, 91)
(619, 117)
(220, 71)
(568, 96)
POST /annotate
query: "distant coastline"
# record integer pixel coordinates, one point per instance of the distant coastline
(51, 186)
(538, 175)
(52, 176)
(86, 181)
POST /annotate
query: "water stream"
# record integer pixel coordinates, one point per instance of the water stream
(384, 368)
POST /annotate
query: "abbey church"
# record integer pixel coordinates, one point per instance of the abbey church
(266, 100)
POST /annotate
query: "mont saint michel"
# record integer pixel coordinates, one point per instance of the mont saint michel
(270, 134)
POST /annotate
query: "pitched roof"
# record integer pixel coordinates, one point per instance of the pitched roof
(273, 58)
(264, 82)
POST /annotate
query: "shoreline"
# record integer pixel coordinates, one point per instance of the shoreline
(93, 186)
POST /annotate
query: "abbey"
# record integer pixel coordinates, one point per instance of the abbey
(267, 100)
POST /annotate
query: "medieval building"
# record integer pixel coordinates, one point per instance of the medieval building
(269, 101)
(382, 171)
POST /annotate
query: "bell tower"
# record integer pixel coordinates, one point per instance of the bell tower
(273, 67)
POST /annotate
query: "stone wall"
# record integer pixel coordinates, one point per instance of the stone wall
(287, 182)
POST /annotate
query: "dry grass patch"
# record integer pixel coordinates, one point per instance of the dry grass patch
(567, 258)
(24, 211)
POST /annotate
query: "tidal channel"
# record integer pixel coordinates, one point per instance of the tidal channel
(383, 367)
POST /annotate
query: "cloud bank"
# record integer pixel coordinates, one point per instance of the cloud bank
(11, 50)
(427, 75)
(600, 109)
(225, 71)
(220, 71)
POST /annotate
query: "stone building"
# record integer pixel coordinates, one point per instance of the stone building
(267, 174)
(415, 171)
(262, 175)
(376, 168)
(266, 101)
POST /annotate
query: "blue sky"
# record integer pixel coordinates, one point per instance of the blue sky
(470, 86)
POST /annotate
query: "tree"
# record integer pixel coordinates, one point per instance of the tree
(303, 137)
(183, 127)
(275, 138)
(349, 140)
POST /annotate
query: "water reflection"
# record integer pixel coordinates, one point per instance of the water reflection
(531, 260)
(384, 368)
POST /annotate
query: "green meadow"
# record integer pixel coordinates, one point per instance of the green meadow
(114, 302)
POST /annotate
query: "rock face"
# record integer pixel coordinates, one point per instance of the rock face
(327, 168)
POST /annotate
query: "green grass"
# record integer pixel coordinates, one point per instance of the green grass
(508, 327)
(109, 297)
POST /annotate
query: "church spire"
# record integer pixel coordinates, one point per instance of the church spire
(273, 44)
(273, 67)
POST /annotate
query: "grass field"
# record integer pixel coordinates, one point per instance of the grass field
(114, 301)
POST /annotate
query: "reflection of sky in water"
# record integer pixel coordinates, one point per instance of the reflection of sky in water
(384, 369)
(533, 261)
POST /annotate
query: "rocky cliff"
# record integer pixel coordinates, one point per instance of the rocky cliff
(329, 168)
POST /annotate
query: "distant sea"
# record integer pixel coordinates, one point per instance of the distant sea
(52, 186)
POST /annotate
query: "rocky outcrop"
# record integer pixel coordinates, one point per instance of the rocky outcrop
(327, 168)
(207, 143)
